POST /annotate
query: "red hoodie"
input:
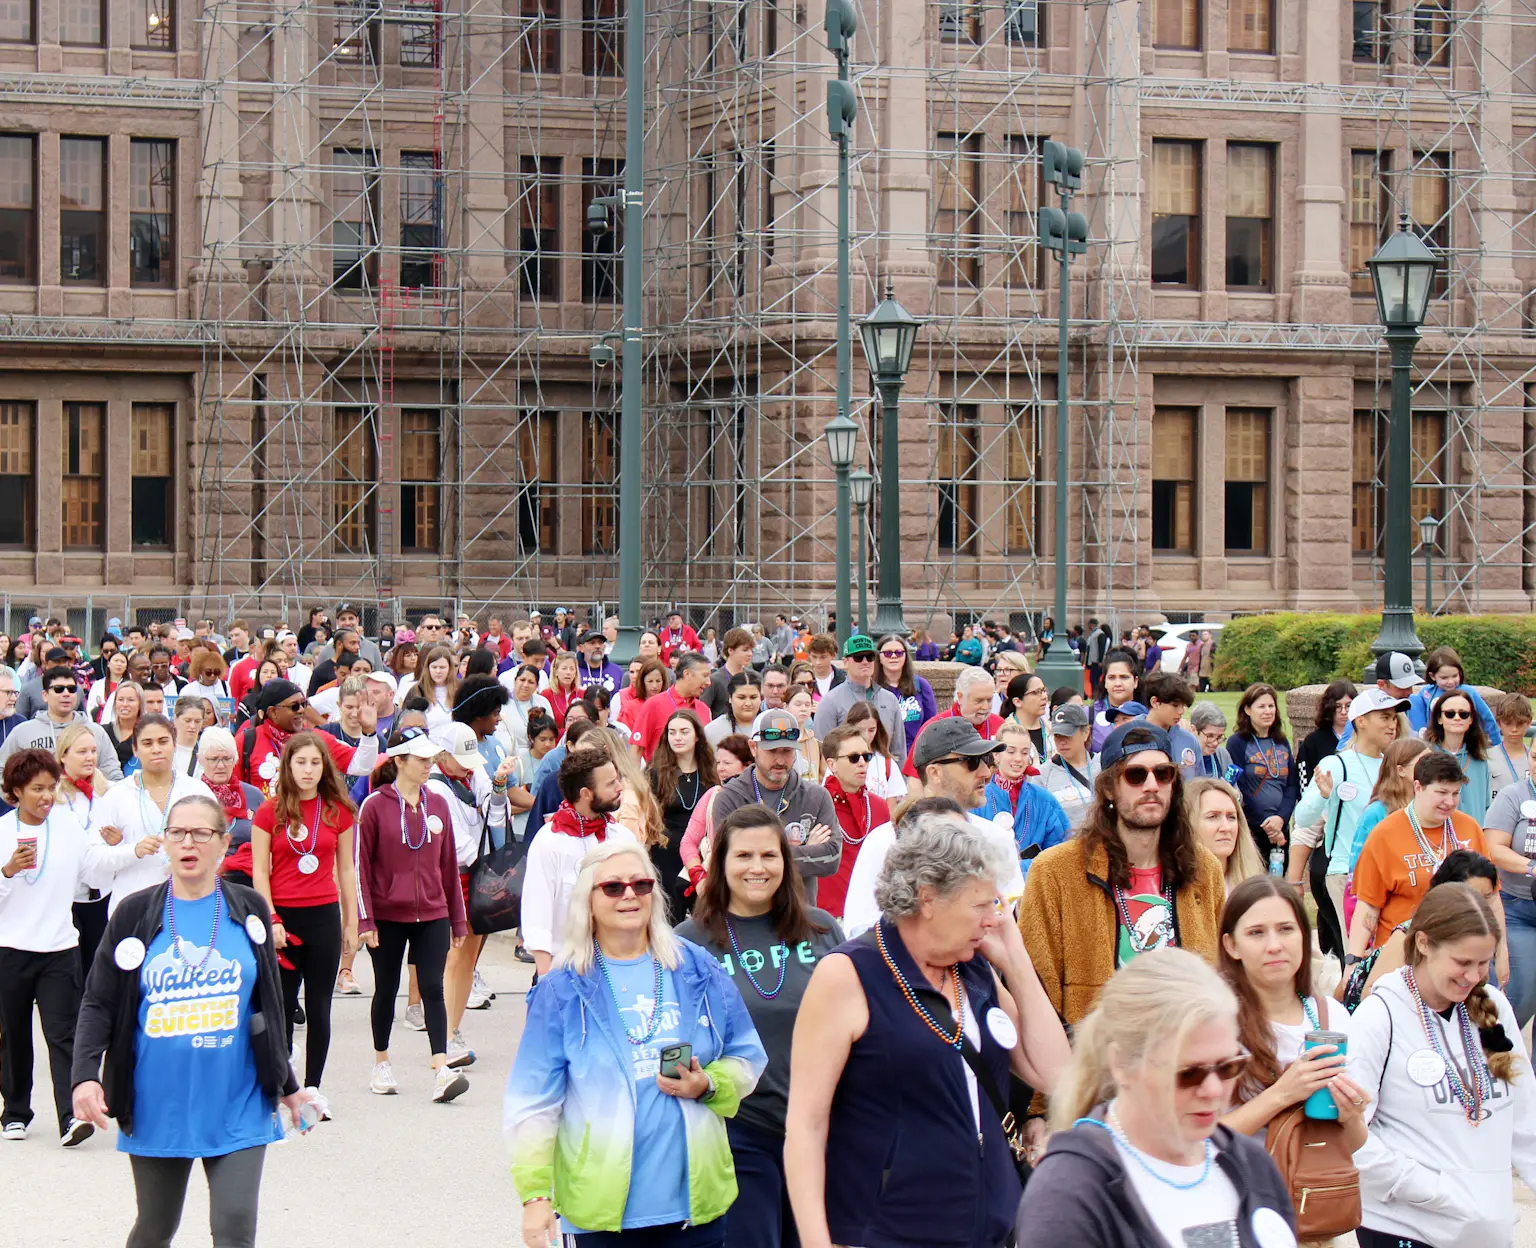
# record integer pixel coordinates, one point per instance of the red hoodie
(397, 883)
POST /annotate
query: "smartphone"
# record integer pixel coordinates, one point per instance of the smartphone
(675, 1055)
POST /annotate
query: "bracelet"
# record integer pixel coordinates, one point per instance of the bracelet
(533, 1200)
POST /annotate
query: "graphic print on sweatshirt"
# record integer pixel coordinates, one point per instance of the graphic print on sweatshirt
(1438, 1098)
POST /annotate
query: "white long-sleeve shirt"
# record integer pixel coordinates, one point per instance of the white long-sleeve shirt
(36, 906)
(129, 808)
(79, 805)
(554, 861)
(468, 820)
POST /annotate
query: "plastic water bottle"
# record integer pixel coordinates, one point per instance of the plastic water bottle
(1277, 861)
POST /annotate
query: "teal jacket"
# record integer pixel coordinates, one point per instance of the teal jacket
(569, 1109)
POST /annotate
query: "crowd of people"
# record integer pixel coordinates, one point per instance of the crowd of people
(819, 958)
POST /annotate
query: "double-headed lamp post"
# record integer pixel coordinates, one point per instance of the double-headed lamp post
(1402, 273)
(1429, 527)
(889, 333)
(862, 485)
(842, 439)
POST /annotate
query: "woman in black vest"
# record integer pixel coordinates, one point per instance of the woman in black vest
(902, 1052)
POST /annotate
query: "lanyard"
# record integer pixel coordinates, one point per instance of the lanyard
(145, 802)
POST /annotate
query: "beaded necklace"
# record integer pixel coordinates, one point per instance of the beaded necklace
(405, 826)
(694, 776)
(752, 979)
(36, 873)
(1270, 757)
(602, 965)
(213, 936)
(1470, 1099)
(918, 1007)
(1138, 945)
(300, 845)
(1447, 839)
(1306, 1008)
(1135, 1154)
(758, 793)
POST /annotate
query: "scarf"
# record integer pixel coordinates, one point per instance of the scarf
(1010, 787)
(566, 820)
(231, 796)
(83, 786)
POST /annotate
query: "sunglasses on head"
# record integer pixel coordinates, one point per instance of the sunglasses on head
(858, 756)
(1191, 1077)
(1136, 773)
(1449, 713)
(970, 762)
(616, 888)
(779, 734)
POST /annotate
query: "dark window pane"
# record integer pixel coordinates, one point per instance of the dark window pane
(151, 221)
(1369, 44)
(1239, 504)
(15, 511)
(1164, 512)
(1170, 249)
(151, 511)
(1247, 247)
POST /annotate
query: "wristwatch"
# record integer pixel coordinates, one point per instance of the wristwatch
(1351, 958)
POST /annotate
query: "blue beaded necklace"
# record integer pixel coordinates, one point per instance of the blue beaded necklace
(752, 979)
(1471, 1099)
(170, 923)
(1134, 1153)
(602, 965)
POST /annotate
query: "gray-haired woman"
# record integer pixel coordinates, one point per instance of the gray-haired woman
(1210, 726)
(903, 1039)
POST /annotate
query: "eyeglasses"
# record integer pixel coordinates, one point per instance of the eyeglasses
(199, 836)
(63, 688)
(970, 763)
(1136, 774)
(617, 888)
(779, 734)
(859, 756)
(893, 654)
(1191, 1077)
(1450, 714)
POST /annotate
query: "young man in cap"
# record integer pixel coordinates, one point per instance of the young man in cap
(593, 667)
(804, 807)
(861, 663)
(677, 637)
(380, 688)
(1069, 773)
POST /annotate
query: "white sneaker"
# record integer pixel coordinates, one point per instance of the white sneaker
(322, 1105)
(13, 1131)
(383, 1081)
(448, 1084)
(459, 1052)
(480, 994)
(414, 1019)
(76, 1132)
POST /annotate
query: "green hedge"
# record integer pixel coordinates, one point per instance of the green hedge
(1295, 648)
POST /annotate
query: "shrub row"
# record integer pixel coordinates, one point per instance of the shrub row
(1293, 648)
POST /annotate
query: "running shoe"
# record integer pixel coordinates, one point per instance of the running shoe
(299, 1018)
(76, 1132)
(383, 1081)
(479, 994)
(320, 1103)
(448, 1085)
(346, 986)
(459, 1052)
(521, 953)
(13, 1131)
(414, 1018)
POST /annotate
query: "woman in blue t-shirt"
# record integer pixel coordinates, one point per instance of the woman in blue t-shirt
(185, 1003)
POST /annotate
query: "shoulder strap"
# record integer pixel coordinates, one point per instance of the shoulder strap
(987, 1084)
(1338, 810)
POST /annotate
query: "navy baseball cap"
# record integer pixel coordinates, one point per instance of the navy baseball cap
(1126, 710)
(1116, 750)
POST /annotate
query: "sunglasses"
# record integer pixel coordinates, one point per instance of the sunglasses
(779, 734)
(893, 654)
(867, 656)
(970, 763)
(295, 706)
(1191, 1077)
(1136, 774)
(617, 888)
(1450, 714)
(63, 688)
(859, 756)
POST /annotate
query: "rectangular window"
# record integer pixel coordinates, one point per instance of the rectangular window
(959, 21)
(1430, 204)
(1023, 179)
(1178, 24)
(421, 42)
(600, 482)
(421, 475)
(355, 228)
(80, 22)
(420, 191)
(83, 210)
(18, 208)
(151, 216)
(354, 503)
(602, 39)
(151, 465)
(1173, 480)
(152, 25)
(536, 491)
(600, 275)
(16, 21)
(1432, 33)
(541, 36)
(18, 433)
(957, 223)
(538, 200)
(83, 476)
(955, 473)
(1369, 45)
(770, 27)
(1368, 214)
(1430, 465)
(1024, 22)
(1250, 215)
(357, 32)
(1022, 461)
(770, 165)
(1250, 26)
(1366, 492)
(1247, 494)
(1175, 213)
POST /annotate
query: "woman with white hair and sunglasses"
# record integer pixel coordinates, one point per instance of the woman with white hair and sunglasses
(637, 1048)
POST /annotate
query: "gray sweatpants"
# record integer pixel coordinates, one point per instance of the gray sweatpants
(234, 1184)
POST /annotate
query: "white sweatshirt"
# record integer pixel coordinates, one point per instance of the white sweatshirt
(37, 906)
(129, 808)
(554, 861)
(1425, 1172)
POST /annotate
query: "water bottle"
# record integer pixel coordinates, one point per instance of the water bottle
(1277, 861)
(1321, 1105)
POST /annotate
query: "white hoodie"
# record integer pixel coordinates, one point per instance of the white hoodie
(1425, 1172)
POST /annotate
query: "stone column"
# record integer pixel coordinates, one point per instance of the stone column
(1318, 444)
(1321, 280)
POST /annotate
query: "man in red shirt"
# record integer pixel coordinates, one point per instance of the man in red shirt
(974, 691)
(691, 678)
(858, 810)
(496, 640)
(242, 673)
(676, 638)
(284, 706)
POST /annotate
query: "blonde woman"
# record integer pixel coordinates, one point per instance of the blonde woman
(588, 1120)
(127, 706)
(639, 811)
(1215, 808)
(81, 784)
(1140, 1156)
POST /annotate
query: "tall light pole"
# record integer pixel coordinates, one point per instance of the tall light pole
(889, 333)
(842, 433)
(842, 438)
(1429, 526)
(862, 486)
(1402, 273)
(1065, 234)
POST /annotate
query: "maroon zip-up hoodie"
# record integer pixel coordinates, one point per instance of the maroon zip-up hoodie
(397, 883)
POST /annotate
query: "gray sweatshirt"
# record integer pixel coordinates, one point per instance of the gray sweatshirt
(41, 733)
(799, 801)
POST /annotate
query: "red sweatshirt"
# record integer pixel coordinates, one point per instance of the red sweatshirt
(397, 883)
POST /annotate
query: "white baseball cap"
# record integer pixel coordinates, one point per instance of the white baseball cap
(1374, 698)
(385, 677)
(415, 741)
(465, 746)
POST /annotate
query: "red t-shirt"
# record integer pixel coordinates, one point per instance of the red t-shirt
(673, 645)
(318, 836)
(241, 677)
(265, 757)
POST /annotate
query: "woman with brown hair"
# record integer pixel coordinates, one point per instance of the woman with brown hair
(1215, 809)
(648, 678)
(639, 811)
(1455, 728)
(404, 657)
(127, 706)
(437, 681)
(1454, 1110)
(1269, 783)
(682, 770)
(885, 778)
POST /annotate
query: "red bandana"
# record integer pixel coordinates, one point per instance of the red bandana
(83, 785)
(1010, 787)
(231, 796)
(568, 821)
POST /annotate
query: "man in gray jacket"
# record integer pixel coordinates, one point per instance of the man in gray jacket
(860, 661)
(804, 808)
(61, 695)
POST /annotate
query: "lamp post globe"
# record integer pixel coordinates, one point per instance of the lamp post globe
(842, 438)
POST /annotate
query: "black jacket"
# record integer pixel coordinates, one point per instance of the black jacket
(109, 1014)
(1080, 1194)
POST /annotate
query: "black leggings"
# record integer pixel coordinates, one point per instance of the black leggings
(91, 923)
(316, 959)
(1368, 1238)
(429, 950)
(234, 1185)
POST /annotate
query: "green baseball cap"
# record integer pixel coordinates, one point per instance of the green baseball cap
(858, 644)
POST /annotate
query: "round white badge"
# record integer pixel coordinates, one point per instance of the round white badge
(434, 824)
(268, 767)
(255, 929)
(1348, 791)
(1528, 809)
(129, 954)
(1426, 1067)
(1187, 758)
(1270, 1229)
(1002, 1028)
(308, 864)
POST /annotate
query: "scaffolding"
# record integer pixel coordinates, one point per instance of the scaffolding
(397, 295)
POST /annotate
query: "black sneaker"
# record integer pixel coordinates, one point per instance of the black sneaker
(76, 1132)
(298, 1016)
(522, 955)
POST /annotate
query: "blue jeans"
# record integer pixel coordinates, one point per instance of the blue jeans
(761, 1217)
(673, 1235)
(1520, 928)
